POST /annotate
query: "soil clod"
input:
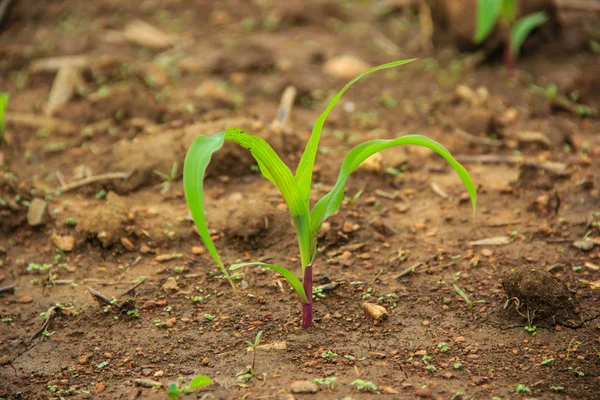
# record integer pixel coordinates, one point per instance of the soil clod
(537, 295)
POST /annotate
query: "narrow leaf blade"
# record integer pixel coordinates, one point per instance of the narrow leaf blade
(523, 27)
(331, 202)
(3, 104)
(280, 175)
(194, 169)
(307, 162)
(286, 273)
(488, 12)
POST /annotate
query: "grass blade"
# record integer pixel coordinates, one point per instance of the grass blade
(523, 27)
(3, 104)
(330, 203)
(307, 162)
(286, 273)
(488, 12)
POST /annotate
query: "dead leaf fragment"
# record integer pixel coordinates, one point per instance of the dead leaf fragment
(375, 311)
(493, 241)
(143, 34)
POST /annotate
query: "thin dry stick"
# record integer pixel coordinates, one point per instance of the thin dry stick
(92, 179)
(8, 289)
(49, 315)
(125, 293)
(102, 299)
(409, 270)
(285, 107)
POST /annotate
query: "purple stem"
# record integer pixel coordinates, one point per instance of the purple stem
(307, 307)
(509, 60)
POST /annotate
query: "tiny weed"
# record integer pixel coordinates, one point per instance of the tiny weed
(431, 368)
(199, 381)
(443, 347)
(531, 329)
(329, 382)
(547, 361)
(168, 178)
(522, 389)
(457, 365)
(328, 355)
(253, 345)
(209, 317)
(364, 386)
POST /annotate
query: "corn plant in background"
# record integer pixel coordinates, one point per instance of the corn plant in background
(489, 12)
(295, 188)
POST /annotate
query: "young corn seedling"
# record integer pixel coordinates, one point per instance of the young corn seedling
(489, 12)
(295, 188)
(3, 104)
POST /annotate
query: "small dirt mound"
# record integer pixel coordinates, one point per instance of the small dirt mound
(537, 295)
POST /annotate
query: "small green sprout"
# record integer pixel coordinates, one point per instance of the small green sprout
(209, 317)
(557, 388)
(168, 179)
(364, 386)
(102, 365)
(431, 368)
(71, 221)
(462, 294)
(547, 361)
(328, 355)
(254, 346)
(329, 382)
(101, 194)
(522, 389)
(489, 12)
(199, 381)
(133, 313)
(531, 329)
(197, 299)
(457, 365)
(296, 188)
(443, 347)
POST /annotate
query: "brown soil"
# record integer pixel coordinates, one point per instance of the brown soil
(141, 108)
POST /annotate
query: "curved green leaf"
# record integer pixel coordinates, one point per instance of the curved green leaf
(272, 168)
(280, 175)
(488, 12)
(330, 203)
(286, 273)
(523, 27)
(307, 162)
(194, 168)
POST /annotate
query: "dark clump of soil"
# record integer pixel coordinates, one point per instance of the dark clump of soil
(538, 295)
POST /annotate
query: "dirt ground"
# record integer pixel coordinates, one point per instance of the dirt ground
(402, 239)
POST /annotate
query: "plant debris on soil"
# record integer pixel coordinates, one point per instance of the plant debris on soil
(106, 290)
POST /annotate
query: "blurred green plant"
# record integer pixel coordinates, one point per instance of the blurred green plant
(489, 12)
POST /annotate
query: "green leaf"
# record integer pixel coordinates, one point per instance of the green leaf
(194, 168)
(3, 104)
(307, 162)
(331, 202)
(286, 273)
(173, 392)
(488, 12)
(200, 381)
(271, 166)
(523, 27)
(280, 175)
(508, 10)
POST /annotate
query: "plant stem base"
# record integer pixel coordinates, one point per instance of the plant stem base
(307, 307)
